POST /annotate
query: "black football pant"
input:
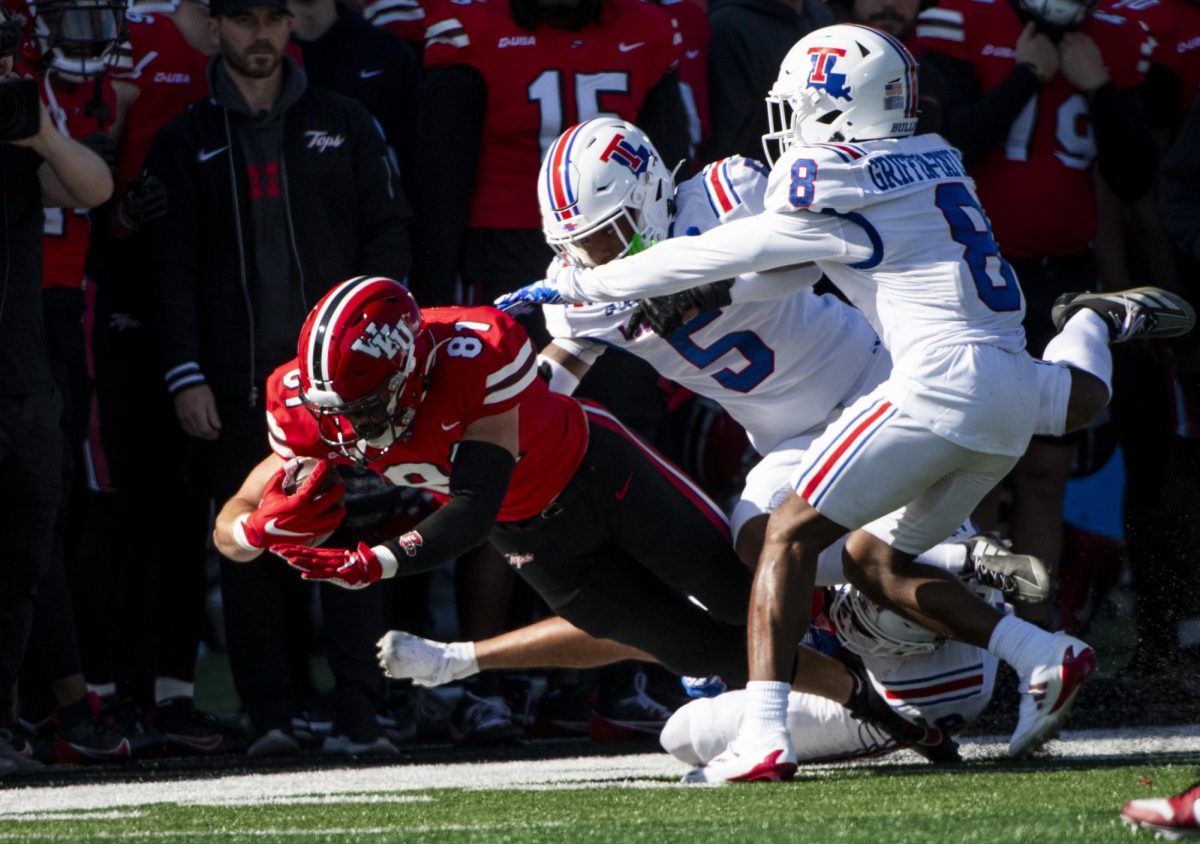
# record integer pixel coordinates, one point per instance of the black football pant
(623, 547)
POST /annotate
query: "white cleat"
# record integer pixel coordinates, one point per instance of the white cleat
(773, 760)
(1049, 692)
(1172, 818)
(404, 656)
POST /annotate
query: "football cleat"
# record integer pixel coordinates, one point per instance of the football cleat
(276, 742)
(183, 725)
(773, 760)
(1140, 313)
(484, 721)
(16, 751)
(82, 735)
(709, 686)
(562, 711)
(1171, 818)
(626, 717)
(866, 705)
(1021, 578)
(379, 746)
(424, 661)
(1048, 693)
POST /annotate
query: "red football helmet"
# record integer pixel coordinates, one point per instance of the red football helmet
(365, 358)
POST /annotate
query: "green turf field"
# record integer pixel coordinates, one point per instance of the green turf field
(984, 802)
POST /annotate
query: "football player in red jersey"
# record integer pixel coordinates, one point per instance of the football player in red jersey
(1173, 81)
(610, 534)
(1038, 95)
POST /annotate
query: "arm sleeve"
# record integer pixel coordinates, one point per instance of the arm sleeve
(176, 239)
(479, 479)
(976, 123)
(383, 245)
(753, 244)
(664, 119)
(1180, 188)
(450, 113)
(1125, 150)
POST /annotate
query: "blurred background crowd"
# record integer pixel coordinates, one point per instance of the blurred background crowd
(261, 151)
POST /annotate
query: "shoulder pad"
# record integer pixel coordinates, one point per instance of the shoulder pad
(724, 190)
(817, 177)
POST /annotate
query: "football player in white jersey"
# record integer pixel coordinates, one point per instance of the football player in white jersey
(927, 680)
(893, 221)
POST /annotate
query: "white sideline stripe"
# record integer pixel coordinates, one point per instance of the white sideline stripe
(581, 772)
(354, 832)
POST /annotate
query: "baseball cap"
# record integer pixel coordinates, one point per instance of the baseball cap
(225, 8)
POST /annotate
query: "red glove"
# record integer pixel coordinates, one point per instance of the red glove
(312, 511)
(340, 566)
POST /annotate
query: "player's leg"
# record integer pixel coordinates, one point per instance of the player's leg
(550, 643)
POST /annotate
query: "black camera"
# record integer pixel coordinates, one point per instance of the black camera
(20, 110)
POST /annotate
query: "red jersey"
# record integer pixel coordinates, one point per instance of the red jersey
(485, 364)
(693, 67)
(168, 73)
(403, 18)
(543, 81)
(1037, 185)
(1175, 25)
(67, 232)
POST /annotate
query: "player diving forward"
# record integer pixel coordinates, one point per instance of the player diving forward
(894, 222)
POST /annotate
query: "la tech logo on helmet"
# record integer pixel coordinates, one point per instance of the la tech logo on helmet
(636, 158)
(822, 75)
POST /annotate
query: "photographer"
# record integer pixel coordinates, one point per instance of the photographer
(38, 167)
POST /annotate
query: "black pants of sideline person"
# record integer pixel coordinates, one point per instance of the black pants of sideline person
(266, 605)
(623, 547)
(30, 487)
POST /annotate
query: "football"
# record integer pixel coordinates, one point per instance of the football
(297, 470)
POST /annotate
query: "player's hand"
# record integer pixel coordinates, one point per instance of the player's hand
(196, 410)
(664, 315)
(1082, 64)
(340, 566)
(145, 200)
(525, 299)
(1036, 49)
(314, 510)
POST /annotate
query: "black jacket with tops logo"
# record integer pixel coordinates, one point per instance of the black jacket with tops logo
(334, 209)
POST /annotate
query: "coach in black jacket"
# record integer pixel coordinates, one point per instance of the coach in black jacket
(276, 192)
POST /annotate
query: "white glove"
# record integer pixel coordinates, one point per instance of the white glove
(427, 663)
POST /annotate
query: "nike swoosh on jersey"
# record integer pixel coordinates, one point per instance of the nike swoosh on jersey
(451, 426)
(692, 54)
(205, 154)
(369, 74)
(625, 48)
(278, 531)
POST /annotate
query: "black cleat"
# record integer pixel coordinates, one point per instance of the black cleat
(865, 704)
(1140, 313)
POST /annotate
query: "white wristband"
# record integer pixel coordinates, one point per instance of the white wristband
(239, 534)
(562, 380)
(387, 560)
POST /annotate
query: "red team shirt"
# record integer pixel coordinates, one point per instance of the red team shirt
(1037, 185)
(541, 82)
(485, 365)
(168, 73)
(67, 232)
(403, 18)
(1175, 25)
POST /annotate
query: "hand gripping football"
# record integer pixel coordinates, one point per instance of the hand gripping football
(297, 470)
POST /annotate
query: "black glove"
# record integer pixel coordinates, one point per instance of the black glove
(664, 315)
(104, 146)
(145, 200)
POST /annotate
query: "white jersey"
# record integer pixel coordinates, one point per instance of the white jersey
(778, 367)
(897, 226)
(947, 689)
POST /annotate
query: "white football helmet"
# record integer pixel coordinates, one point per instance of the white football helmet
(868, 629)
(842, 83)
(604, 192)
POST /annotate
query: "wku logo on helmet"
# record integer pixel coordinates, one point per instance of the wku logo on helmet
(636, 158)
(385, 342)
(822, 76)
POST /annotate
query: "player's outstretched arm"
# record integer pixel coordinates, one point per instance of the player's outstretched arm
(479, 476)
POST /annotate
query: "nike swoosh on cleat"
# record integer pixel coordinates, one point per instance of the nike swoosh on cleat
(369, 74)
(204, 154)
(196, 742)
(625, 48)
(278, 531)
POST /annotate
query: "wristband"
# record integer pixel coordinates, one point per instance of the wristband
(558, 378)
(239, 534)
(387, 561)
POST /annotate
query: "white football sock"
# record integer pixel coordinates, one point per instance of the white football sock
(766, 711)
(1018, 643)
(951, 556)
(166, 688)
(1083, 344)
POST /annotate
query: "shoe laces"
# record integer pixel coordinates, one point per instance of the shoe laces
(1134, 322)
(1003, 581)
(643, 701)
